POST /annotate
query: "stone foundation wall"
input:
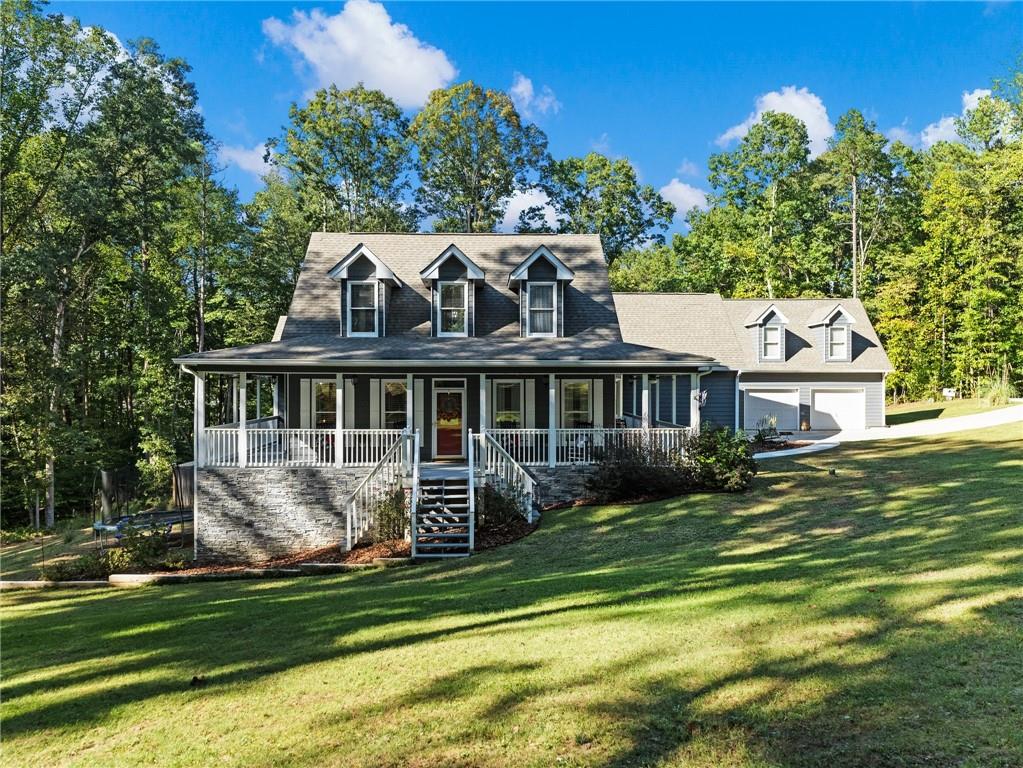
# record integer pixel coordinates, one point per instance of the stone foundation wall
(561, 484)
(246, 515)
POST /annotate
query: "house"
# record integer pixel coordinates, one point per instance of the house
(801, 364)
(419, 366)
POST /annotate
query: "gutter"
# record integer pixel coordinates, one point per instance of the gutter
(214, 364)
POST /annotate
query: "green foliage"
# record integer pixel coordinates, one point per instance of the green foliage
(996, 391)
(390, 517)
(598, 195)
(712, 460)
(141, 550)
(473, 152)
(496, 507)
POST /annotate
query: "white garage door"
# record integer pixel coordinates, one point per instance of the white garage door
(782, 404)
(838, 409)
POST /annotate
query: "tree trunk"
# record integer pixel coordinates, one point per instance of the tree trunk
(855, 238)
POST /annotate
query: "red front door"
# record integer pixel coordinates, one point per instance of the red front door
(448, 422)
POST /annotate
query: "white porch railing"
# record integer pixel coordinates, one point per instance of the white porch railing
(272, 447)
(384, 479)
(531, 447)
(499, 468)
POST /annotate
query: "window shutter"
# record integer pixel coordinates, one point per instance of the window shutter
(349, 403)
(418, 406)
(305, 403)
(374, 403)
(598, 402)
(529, 403)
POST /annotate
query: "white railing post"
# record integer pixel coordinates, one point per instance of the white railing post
(243, 446)
(339, 420)
(472, 490)
(552, 445)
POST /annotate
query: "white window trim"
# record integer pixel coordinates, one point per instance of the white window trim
(522, 401)
(763, 342)
(383, 402)
(348, 308)
(589, 400)
(440, 306)
(831, 344)
(554, 309)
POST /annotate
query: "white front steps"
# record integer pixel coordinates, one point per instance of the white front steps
(442, 521)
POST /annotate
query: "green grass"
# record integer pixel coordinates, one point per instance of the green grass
(21, 560)
(943, 409)
(871, 617)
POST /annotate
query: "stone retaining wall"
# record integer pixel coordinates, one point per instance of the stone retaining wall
(247, 515)
(564, 483)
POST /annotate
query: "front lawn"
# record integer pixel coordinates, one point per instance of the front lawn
(870, 617)
(940, 409)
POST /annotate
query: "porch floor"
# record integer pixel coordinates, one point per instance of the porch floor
(443, 470)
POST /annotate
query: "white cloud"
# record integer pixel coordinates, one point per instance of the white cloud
(687, 168)
(798, 102)
(944, 128)
(528, 101)
(684, 196)
(601, 144)
(903, 134)
(362, 44)
(520, 201)
(248, 159)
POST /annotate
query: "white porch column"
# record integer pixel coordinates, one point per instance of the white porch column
(674, 399)
(258, 381)
(409, 402)
(199, 451)
(483, 402)
(552, 413)
(242, 411)
(619, 397)
(694, 401)
(277, 396)
(339, 419)
(645, 407)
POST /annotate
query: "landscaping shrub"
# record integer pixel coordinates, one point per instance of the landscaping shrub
(390, 517)
(141, 550)
(496, 507)
(996, 391)
(713, 460)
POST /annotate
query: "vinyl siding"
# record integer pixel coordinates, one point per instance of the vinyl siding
(806, 383)
(720, 406)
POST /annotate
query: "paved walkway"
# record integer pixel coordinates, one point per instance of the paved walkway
(1009, 415)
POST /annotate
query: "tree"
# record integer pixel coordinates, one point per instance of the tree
(474, 151)
(596, 195)
(349, 153)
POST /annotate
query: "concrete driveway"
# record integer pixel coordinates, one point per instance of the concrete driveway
(821, 442)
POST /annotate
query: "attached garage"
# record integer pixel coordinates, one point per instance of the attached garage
(761, 404)
(838, 409)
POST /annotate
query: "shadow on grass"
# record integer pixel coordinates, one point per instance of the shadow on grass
(911, 416)
(867, 569)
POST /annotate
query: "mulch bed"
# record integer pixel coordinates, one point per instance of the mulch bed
(487, 538)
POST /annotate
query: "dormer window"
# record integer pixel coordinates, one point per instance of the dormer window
(452, 308)
(838, 340)
(362, 308)
(771, 343)
(835, 332)
(541, 318)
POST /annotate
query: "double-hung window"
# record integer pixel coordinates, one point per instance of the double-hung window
(362, 308)
(542, 310)
(453, 310)
(576, 409)
(508, 404)
(838, 341)
(771, 345)
(395, 401)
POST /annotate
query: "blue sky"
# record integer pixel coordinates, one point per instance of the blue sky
(665, 85)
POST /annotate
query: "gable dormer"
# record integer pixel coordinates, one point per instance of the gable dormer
(833, 327)
(365, 288)
(768, 329)
(540, 281)
(452, 279)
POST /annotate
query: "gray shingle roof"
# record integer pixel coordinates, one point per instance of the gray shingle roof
(330, 349)
(315, 306)
(708, 324)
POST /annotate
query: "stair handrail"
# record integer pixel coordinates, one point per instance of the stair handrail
(523, 479)
(362, 489)
(414, 500)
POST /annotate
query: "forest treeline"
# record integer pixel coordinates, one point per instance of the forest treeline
(122, 247)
